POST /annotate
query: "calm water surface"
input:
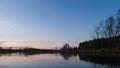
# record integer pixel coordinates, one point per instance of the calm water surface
(47, 61)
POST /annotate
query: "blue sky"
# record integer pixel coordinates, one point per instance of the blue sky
(52, 20)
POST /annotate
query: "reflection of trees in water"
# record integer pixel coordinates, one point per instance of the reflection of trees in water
(66, 51)
(98, 61)
(105, 66)
(67, 56)
(109, 61)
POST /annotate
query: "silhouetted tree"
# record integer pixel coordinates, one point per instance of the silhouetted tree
(96, 33)
(118, 24)
(66, 46)
(110, 25)
(106, 35)
(108, 28)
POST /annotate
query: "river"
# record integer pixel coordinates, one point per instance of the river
(49, 61)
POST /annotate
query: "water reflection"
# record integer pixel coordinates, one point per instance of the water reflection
(102, 61)
(67, 56)
(59, 60)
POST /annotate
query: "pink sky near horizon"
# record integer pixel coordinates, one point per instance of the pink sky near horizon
(38, 44)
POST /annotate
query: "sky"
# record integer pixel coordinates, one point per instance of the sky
(53, 20)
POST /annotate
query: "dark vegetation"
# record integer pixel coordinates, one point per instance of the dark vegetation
(66, 49)
(101, 44)
(109, 60)
(28, 51)
(106, 37)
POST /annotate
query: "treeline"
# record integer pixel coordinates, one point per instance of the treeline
(106, 36)
(103, 43)
(108, 28)
(27, 51)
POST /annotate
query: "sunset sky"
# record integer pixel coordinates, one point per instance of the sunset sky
(57, 21)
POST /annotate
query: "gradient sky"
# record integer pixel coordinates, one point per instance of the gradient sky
(52, 20)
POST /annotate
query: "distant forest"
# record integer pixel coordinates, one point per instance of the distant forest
(106, 35)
